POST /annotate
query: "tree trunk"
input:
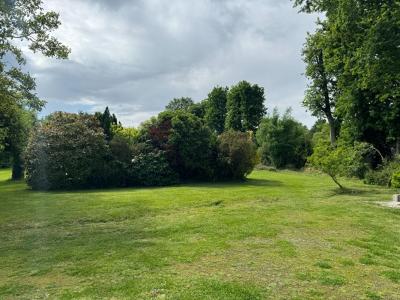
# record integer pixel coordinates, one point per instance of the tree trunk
(337, 182)
(332, 127)
(17, 167)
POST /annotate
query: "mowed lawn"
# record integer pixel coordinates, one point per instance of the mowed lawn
(279, 235)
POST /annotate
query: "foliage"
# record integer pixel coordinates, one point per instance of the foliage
(25, 20)
(245, 107)
(384, 173)
(16, 123)
(151, 169)
(67, 151)
(183, 104)
(361, 50)
(199, 109)
(191, 145)
(236, 154)
(284, 142)
(107, 122)
(338, 160)
(28, 23)
(396, 180)
(216, 109)
(321, 93)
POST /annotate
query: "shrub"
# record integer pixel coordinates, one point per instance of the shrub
(67, 151)
(396, 180)
(237, 155)
(151, 169)
(284, 142)
(191, 145)
(383, 175)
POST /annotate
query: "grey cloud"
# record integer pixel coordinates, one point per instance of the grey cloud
(135, 56)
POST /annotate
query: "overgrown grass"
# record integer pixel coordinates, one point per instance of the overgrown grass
(279, 235)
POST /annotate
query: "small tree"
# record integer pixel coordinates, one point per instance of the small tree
(338, 160)
(236, 154)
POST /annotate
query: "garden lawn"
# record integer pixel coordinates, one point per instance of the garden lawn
(279, 235)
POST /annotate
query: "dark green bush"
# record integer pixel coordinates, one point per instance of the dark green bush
(151, 169)
(284, 142)
(236, 154)
(67, 151)
(383, 175)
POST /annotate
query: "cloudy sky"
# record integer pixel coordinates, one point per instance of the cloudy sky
(136, 55)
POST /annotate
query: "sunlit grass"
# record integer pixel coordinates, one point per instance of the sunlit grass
(279, 235)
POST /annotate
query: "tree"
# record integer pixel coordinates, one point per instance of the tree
(236, 154)
(107, 122)
(25, 21)
(342, 159)
(68, 151)
(16, 123)
(216, 109)
(183, 104)
(321, 93)
(283, 141)
(192, 144)
(361, 50)
(245, 107)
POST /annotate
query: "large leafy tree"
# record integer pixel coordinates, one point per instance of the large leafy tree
(183, 104)
(245, 107)
(22, 21)
(362, 50)
(321, 93)
(216, 109)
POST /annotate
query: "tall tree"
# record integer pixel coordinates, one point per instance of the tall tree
(26, 21)
(184, 104)
(362, 50)
(216, 109)
(245, 107)
(107, 122)
(321, 93)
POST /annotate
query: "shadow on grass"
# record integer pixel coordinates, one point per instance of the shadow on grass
(253, 182)
(19, 186)
(357, 192)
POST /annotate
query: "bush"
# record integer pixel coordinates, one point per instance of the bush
(67, 151)
(237, 155)
(151, 169)
(284, 142)
(383, 175)
(396, 180)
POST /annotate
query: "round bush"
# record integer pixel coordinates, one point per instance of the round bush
(67, 151)
(151, 169)
(237, 155)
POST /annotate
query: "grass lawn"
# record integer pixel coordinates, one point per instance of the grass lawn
(280, 235)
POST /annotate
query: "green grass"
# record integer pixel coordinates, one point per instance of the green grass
(279, 235)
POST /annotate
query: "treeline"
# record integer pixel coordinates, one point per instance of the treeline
(353, 68)
(215, 139)
(187, 141)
